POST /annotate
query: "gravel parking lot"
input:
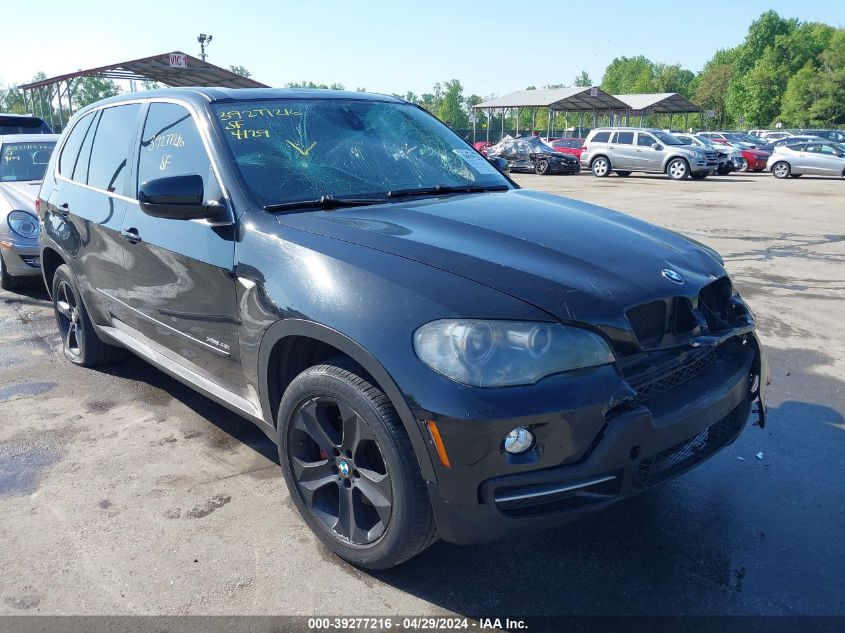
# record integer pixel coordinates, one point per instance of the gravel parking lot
(124, 492)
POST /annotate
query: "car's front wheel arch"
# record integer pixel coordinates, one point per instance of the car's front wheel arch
(290, 346)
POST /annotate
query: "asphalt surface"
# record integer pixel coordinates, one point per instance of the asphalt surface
(124, 492)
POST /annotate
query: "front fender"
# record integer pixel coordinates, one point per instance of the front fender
(300, 327)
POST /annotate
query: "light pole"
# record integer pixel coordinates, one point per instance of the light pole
(204, 41)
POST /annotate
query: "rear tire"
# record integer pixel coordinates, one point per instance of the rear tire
(80, 342)
(743, 165)
(781, 169)
(678, 169)
(624, 174)
(350, 468)
(10, 282)
(600, 167)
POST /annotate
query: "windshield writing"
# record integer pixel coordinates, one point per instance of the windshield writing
(292, 150)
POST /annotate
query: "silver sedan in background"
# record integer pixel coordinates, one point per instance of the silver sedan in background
(815, 158)
(23, 160)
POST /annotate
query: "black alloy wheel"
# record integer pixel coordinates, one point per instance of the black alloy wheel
(68, 319)
(80, 341)
(339, 470)
(350, 468)
(542, 167)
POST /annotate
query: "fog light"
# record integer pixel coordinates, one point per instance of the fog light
(518, 440)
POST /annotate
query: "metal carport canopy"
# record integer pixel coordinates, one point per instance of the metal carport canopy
(158, 68)
(575, 98)
(662, 103)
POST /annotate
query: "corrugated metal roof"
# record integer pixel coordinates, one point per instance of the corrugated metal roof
(573, 98)
(588, 99)
(157, 68)
(659, 102)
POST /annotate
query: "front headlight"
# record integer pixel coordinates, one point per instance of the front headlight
(506, 353)
(24, 224)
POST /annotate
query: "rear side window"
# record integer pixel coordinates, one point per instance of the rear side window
(23, 125)
(601, 137)
(821, 149)
(70, 151)
(624, 138)
(112, 141)
(171, 145)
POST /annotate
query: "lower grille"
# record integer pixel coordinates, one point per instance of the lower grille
(676, 377)
(681, 457)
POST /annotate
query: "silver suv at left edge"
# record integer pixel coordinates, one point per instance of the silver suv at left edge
(625, 150)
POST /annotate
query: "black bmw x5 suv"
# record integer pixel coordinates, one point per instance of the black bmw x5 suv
(436, 352)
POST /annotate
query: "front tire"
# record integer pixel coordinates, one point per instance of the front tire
(743, 165)
(80, 342)
(350, 468)
(623, 174)
(678, 169)
(600, 167)
(10, 282)
(542, 167)
(700, 175)
(781, 169)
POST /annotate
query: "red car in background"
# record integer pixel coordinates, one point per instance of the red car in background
(573, 146)
(753, 159)
(481, 146)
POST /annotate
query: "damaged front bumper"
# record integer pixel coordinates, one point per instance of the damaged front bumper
(601, 453)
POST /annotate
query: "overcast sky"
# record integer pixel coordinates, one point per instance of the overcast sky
(384, 46)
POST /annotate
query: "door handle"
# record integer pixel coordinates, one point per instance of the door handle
(130, 235)
(63, 210)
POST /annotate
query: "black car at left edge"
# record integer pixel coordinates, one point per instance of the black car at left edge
(435, 351)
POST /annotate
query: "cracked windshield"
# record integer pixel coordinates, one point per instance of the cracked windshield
(292, 150)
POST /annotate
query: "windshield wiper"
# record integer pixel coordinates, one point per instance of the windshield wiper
(325, 203)
(430, 191)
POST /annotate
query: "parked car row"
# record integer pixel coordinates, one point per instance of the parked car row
(685, 155)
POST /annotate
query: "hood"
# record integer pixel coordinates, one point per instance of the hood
(21, 195)
(576, 261)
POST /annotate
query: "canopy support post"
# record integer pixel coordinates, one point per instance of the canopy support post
(489, 121)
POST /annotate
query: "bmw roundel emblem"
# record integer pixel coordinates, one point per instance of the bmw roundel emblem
(672, 275)
(343, 468)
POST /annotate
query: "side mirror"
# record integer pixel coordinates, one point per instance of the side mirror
(175, 198)
(656, 146)
(499, 163)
